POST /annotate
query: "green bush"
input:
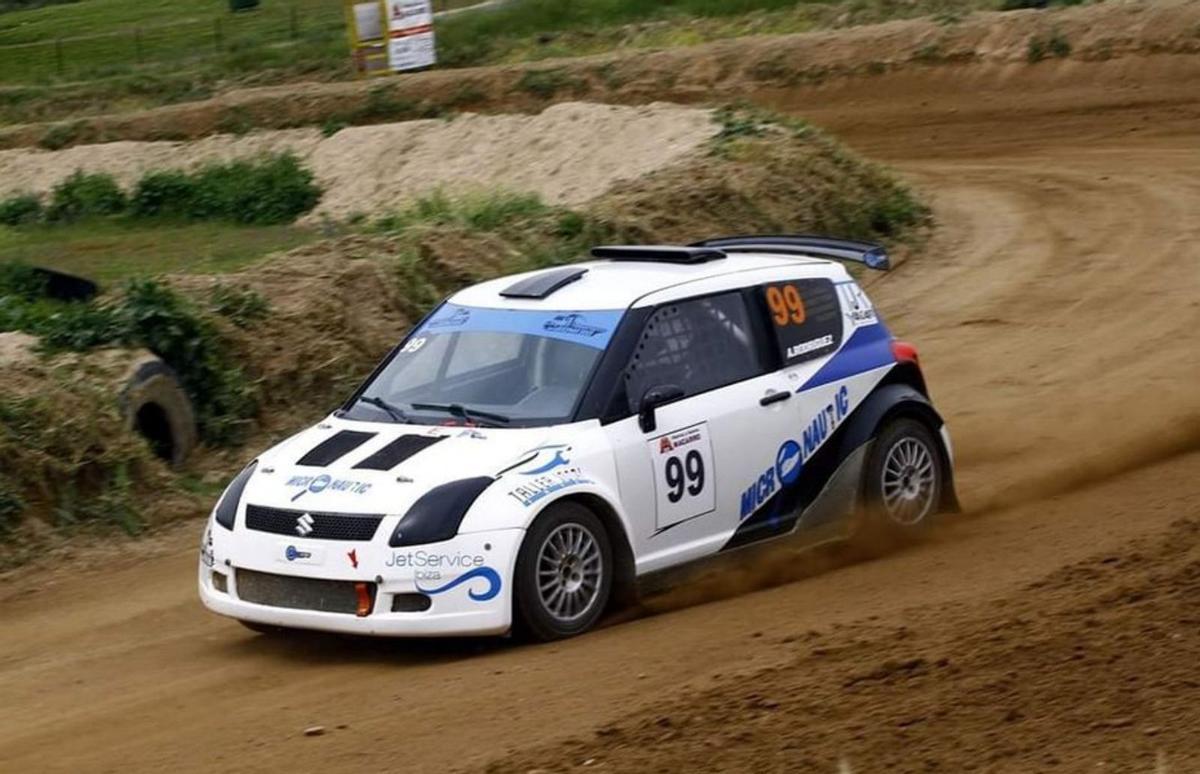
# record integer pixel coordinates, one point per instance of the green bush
(150, 315)
(241, 306)
(266, 191)
(85, 195)
(21, 282)
(161, 194)
(20, 210)
(147, 314)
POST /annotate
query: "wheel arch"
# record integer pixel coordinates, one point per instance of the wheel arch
(895, 398)
(624, 565)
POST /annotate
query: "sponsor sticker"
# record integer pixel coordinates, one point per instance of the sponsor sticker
(323, 482)
(793, 453)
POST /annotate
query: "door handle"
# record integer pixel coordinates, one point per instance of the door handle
(774, 397)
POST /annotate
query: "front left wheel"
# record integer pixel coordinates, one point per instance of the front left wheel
(564, 573)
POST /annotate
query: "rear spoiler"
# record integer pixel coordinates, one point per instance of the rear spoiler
(869, 254)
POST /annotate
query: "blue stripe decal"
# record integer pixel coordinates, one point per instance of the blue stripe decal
(593, 328)
(486, 573)
(868, 348)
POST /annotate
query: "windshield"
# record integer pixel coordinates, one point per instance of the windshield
(490, 366)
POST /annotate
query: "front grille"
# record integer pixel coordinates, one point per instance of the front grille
(327, 596)
(317, 525)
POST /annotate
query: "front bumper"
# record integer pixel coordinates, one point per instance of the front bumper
(466, 580)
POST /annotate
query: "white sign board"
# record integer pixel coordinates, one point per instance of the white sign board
(410, 34)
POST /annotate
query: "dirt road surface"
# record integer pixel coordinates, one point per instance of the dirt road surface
(1053, 627)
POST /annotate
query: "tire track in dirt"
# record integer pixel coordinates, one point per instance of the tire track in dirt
(1055, 311)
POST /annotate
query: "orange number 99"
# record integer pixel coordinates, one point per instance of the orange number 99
(786, 305)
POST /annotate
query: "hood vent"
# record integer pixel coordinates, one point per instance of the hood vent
(334, 448)
(398, 451)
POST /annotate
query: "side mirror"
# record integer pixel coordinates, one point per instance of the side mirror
(652, 398)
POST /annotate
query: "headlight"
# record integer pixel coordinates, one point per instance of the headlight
(227, 506)
(437, 515)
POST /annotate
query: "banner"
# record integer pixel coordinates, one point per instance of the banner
(410, 34)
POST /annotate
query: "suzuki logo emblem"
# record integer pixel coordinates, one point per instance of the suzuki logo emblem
(304, 525)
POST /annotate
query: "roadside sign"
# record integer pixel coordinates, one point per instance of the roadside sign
(410, 34)
(390, 35)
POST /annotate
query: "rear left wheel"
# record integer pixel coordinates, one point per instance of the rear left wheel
(564, 573)
(903, 480)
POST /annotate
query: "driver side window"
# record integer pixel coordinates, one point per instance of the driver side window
(698, 345)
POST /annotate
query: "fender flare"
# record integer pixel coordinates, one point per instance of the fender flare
(894, 400)
(608, 510)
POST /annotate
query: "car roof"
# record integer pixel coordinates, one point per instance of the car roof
(624, 284)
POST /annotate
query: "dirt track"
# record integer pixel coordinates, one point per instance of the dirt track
(1053, 627)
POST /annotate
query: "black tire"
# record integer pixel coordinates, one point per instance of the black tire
(158, 409)
(542, 615)
(903, 481)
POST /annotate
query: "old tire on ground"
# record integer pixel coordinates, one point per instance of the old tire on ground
(903, 479)
(157, 408)
(564, 573)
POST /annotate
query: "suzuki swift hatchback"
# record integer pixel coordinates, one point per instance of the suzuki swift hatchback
(540, 445)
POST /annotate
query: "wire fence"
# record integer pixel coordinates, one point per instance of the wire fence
(277, 34)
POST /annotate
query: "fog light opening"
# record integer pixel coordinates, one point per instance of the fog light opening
(220, 582)
(410, 603)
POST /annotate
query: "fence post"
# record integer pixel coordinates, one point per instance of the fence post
(218, 37)
(58, 55)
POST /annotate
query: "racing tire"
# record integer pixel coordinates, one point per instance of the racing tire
(564, 574)
(903, 479)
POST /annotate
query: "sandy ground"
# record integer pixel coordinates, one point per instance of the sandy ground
(1053, 627)
(569, 153)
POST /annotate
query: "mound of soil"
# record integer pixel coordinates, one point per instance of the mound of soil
(568, 154)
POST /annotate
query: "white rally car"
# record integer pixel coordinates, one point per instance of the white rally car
(541, 445)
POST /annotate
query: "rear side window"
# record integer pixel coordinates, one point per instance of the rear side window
(805, 318)
(699, 345)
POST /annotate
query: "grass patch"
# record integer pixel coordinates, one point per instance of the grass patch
(81, 463)
(113, 250)
(1053, 44)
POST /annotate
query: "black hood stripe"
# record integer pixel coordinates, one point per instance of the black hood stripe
(398, 451)
(334, 448)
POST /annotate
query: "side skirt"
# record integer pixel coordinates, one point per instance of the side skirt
(830, 518)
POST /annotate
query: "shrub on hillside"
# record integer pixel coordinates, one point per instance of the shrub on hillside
(270, 190)
(85, 195)
(147, 314)
(20, 210)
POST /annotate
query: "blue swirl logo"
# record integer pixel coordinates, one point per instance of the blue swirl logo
(788, 462)
(487, 573)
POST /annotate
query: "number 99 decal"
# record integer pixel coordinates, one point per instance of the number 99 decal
(682, 475)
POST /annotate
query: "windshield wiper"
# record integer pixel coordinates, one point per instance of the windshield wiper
(394, 411)
(461, 411)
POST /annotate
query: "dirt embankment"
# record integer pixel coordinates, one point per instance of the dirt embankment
(568, 154)
(988, 48)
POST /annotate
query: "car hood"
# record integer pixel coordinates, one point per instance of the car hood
(359, 467)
